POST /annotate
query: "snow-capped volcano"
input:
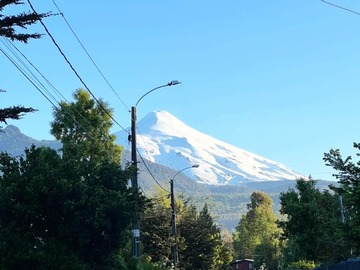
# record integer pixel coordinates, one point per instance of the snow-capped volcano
(164, 139)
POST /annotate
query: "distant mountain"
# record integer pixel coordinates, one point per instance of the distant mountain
(164, 139)
(14, 142)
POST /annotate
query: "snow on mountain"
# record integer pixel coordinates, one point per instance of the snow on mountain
(164, 139)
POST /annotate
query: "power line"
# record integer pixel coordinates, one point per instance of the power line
(340, 7)
(31, 77)
(35, 79)
(27, 70)
(147, 168)
(62, 14)
(73, 69)
(49, 83)
(26, 76)
(147, 151)
(88, 54)
(58, 93)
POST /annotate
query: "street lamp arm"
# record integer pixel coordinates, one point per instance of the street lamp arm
(149, 93)
(180, 172)
(193, 166)
(161, 86)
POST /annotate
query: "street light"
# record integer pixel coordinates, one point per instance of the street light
(134, 179)
(175, 82)
(173, 215)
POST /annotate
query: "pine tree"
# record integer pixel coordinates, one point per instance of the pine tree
(156, 230)
(203, 247)
(14, 113)
(10, 23)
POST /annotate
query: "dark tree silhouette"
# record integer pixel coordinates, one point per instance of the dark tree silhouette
(14, 112)
(9, 24)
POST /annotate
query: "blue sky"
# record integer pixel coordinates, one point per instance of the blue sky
(276, 78)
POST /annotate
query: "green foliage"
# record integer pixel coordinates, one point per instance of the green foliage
(83, 127)
(198, 238)
(256, 235)
(141, 263)
(301, 265)
(156, 230)
(268, 253)
(49, 215)
(203, 247)
(312, 227)
(348, 175)
(69, 211)
(9, 23)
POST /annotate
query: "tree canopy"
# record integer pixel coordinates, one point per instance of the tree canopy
(312, 225)
(203, 247)
(199, 241)
(69, 210)
(256, 236)
(156, 230)
(83, 126)
(14, 113)
(10, 24)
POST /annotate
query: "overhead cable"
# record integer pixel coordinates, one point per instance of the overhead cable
(26, 76)
(48, 82)
(153, 177)
(58, 93)
(26, 70)
(73, 69)
(340, 7)
(88, 54)
(31, 77)
(147, 151)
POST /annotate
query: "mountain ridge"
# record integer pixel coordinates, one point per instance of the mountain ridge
(166, 140)
(13, 141)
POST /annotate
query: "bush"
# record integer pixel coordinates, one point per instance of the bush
(301, 265)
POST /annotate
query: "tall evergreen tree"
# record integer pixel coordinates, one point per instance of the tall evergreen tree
(256, 234)
(203, 246)
(199, 242)
(156, 230)
(218, 253)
